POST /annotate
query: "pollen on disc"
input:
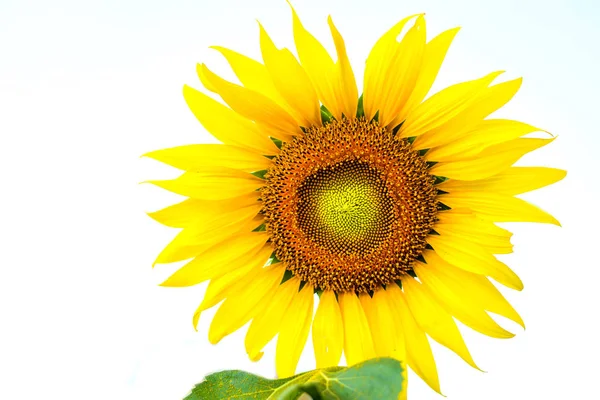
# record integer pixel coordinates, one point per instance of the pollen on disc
(345, 208)
(348, 206)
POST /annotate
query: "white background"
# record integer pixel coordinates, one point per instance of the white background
(86, 87)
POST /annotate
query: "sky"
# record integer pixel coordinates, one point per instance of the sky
(86, 87)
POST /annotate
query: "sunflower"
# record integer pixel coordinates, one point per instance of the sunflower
(382, 207)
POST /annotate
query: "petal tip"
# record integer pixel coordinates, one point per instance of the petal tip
(256, 356)
(452, 32)
(187, 91)
(562, 173)
(557, 223)
(213, 338)
(174, 282)
(195, 320)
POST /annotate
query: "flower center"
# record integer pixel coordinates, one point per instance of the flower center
(345, 208)
(348, 206)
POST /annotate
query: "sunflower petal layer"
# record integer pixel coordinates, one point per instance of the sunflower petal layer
(328, 331)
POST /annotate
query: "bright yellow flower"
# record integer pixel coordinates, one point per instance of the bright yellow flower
(384, 205)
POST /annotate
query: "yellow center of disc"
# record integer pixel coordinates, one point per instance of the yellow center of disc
(345, 208)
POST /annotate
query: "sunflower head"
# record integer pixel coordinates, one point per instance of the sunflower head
(384, 206)
(348, 206)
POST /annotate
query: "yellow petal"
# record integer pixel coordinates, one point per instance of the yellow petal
(255, 77)
(476, 289)
(511, 181)
(497, 207)
(470, 256)
(433, 57)
(388, 296)
(358, 343)
(218, 185)
(479, 105)
(398, 66)
(220, 259)
(347, 92)
(193, 211)
(192, 240)
(294, 332)
(438, 112)
(268, 323)
(219, 287)
(226, 125)
(434, 320)
(418, 351)
(439, 283)
(463, 221)
(386, 340)
(199, 157)
(493, 98)
(490, 161)
(328, 331)
(182, 247)
(252, 105)
(291, 81)
(468, 226)
(240, 307)
(318, 65)
(377, 64)
(484, 134)
(404, 392)
(222, 286)
(385, 301)
(252, 74)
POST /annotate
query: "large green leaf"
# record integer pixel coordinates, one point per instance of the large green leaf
(376, 379)
(235, 384)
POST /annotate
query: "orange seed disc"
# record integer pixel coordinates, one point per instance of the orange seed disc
(348, 206)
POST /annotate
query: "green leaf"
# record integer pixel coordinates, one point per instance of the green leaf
(260, 228)
(287, 275)
(235, 384)
(260, 174)
(375, 117)
(360, 111)
(326, 115)
(277, 142)
(439, 179)
(376, 379)
(397, 128)
(273, 259)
